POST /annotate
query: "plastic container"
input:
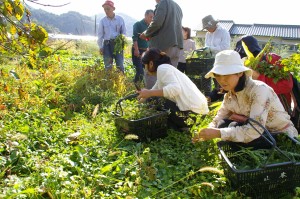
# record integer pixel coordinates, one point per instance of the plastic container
(146, 128)
(267, 181)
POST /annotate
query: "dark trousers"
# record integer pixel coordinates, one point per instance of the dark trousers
(258, 143)
(139, 66)
(177, 119)
(109, 56)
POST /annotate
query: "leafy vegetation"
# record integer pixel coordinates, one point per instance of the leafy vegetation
(120, 43)
(271, 67)
(58, 138)
(247, 158)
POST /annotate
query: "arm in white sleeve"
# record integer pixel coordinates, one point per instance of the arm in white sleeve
(167, 78)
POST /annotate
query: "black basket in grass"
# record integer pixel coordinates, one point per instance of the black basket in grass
(269, 179)
(203, 84)
(146, 127)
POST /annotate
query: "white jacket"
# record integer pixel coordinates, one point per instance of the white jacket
(178, 88)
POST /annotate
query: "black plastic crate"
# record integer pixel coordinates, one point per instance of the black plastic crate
(203, 84)
(147, 128)
(199, 66)
(268, 181)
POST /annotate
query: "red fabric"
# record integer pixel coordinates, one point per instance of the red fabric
(109, 3)
(273, 58)
(283, 86)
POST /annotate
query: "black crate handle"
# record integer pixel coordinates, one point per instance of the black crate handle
(269, 139)
(118, 104)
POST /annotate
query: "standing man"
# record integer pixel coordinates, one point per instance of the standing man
(165, 30)
(110, 27)
(140, 45)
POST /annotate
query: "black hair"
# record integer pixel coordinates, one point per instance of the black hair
(241, 83)
(188, 30)
(149, 11)
(156, 56)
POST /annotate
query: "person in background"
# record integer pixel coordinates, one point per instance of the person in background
(245, 98)
(165, 30)
(189, 46)
(283, 87)
(110, 27)
(140, 45)
(217, 38)
(182, 95)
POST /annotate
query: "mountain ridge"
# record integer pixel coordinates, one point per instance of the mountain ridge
(74, 23)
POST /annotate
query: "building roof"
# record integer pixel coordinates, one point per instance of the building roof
(274, 30)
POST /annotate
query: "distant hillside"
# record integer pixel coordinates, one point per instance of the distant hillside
(74, 22)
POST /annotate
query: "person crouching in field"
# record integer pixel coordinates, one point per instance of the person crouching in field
(245, 98)
(182, 95)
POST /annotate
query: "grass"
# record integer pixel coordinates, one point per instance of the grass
(58, 138)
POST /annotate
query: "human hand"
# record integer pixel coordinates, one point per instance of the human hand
(136, 52)
(206, 134)
(143, 95)
(143, 36)
(101, 51)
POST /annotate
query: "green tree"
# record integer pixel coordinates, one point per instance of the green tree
(19, 38)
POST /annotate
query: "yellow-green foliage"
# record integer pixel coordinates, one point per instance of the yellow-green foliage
(279, 70)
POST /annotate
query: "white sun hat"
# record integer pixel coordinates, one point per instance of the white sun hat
(228, 62)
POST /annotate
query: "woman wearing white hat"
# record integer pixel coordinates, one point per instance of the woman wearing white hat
(245, 98)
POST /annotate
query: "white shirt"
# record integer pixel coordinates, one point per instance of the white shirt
(188, 46)
(259, 102)
(178, 88)
(218, 40)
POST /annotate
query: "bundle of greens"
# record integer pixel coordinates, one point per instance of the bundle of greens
(248, 158)
(274, 69)
(120, 44)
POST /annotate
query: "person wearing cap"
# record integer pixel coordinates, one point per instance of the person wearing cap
(183, 98)
(245, 98)
(217, 38)
(140, 45)
(283, 87)
(110, 27)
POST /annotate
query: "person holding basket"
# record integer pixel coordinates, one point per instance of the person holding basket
(245, 98)
(182, 95)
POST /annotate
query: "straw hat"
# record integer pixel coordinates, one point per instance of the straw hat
(228, 62)
(208, 22)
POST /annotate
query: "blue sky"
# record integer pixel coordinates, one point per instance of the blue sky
(245, 12)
